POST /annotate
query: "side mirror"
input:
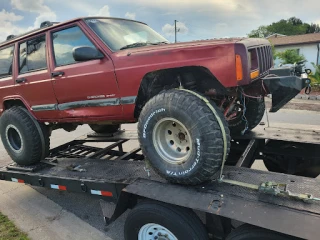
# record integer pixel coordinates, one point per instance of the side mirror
(308, 71)
(85, 53)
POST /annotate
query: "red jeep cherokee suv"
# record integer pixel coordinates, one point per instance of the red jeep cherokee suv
(108, 71)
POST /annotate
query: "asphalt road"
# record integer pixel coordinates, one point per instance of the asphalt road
(87, 207)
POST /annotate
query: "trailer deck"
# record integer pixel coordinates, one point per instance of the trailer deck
(119, 175)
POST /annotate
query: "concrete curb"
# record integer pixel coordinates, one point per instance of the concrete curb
(303, 97)
(308, 97)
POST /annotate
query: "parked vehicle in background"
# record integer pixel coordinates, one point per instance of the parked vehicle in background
(187, 97)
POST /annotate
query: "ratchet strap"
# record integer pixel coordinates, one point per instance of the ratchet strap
(222, 127)
(272, 188)
(275, 189)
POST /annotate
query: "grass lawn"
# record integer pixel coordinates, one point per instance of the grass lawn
(8, 230)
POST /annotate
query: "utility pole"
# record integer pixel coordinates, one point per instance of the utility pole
(175, 31)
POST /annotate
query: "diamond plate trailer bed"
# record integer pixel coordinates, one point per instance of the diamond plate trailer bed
(122, 177)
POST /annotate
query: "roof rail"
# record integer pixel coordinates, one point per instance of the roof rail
(10, 37)
(47, 24)
(42, 25)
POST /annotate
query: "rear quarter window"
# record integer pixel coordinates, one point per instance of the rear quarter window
(6, 57)
(33, 55)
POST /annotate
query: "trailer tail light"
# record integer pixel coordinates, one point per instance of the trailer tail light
(58, 187)
(239, 71)
(17, 180)
(101, 193)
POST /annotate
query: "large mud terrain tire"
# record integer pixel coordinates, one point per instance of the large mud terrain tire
(255, 108)
(26, 140)
(109, 129)
(181, 137)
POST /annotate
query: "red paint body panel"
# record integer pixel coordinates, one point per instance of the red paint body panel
(7, 91)
(118, 75)
(218, 58)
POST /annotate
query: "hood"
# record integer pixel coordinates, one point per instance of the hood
(178, 46)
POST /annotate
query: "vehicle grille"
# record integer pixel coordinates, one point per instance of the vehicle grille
(265, 59)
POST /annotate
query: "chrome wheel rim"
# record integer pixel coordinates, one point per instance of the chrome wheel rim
(153, 231)
(14, 138)
(172, 141)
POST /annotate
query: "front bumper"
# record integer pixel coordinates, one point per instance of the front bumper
(283, 89)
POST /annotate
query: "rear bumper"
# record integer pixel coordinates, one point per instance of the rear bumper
(283, 89)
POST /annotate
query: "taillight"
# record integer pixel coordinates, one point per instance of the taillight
(239, 71)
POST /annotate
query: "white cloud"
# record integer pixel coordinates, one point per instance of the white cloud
(6, 24)
(7, 28)
(168, 29)
(35, 6)
(104, 11)
(178, 5)
(9, 16)
(48, 16)
(79, 7)
(130, 15)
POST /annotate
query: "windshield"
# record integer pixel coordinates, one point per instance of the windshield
(120, 34)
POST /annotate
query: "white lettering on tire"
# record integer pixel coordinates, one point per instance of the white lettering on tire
(193, 165)
(148, 120)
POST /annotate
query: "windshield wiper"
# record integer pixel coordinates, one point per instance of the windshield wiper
(158, 43)
(137, 44)
(141, 44)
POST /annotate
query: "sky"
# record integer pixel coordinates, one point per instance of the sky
(197, 19)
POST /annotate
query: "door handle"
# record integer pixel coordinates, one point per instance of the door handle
(57, 74)
(21, 80)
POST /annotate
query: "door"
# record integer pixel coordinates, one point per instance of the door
(83, 89)
(33, 78)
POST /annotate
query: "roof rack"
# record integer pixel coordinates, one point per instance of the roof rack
(42, 25)
(10, 37)
(47, 24)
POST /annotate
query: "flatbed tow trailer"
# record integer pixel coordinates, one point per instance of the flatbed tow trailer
(123, 178)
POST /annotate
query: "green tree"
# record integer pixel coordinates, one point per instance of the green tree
(313, 28)
(289, 56)
(315, 76)
(291, 26)
(288, 27)
(295, 21)
(261, 32)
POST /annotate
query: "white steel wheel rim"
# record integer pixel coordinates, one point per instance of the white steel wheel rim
(172, 141)
(14, 138)
(153, 231)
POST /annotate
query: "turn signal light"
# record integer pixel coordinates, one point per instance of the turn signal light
(239, 72)
(254, 74)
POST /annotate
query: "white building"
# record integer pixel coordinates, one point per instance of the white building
(306, 44)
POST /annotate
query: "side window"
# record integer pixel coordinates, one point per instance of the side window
(33, 55)
(6, 57)
(63, 43)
